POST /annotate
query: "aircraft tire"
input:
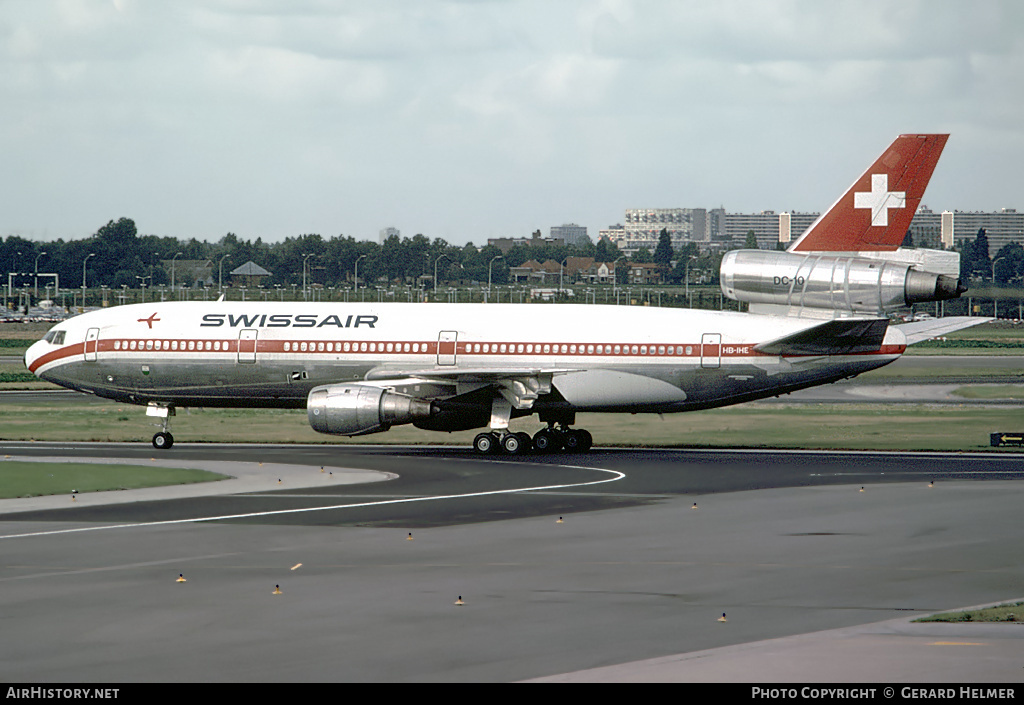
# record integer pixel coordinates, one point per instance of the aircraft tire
(486, 443)
(547, 441)
(578, 440)
(513, 444)
(527, 442)
(163, 440)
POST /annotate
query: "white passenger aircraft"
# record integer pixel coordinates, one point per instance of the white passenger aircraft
(818, 313)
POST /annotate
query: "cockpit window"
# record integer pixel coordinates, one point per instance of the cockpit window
(54, 337)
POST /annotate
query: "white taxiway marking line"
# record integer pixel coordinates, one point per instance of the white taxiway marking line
(617, 476)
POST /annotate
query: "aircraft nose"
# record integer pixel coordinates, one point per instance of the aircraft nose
(34, 352)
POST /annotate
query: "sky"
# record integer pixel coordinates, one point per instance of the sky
(466, 120)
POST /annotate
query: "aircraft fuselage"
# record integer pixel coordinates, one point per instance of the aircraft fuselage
(601, 358)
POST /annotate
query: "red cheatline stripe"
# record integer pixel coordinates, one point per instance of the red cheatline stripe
(122, 346)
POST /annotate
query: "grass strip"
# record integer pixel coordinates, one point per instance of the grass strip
(30, 479)
(764, 425)
(1009, 612)
(981, 391)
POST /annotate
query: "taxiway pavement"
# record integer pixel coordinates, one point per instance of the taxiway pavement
(629, 586)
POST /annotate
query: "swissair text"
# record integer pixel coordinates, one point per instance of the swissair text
(286, 320)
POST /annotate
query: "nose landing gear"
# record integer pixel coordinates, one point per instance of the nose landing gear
(162, 440)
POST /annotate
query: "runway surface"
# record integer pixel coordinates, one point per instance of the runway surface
(822, 556)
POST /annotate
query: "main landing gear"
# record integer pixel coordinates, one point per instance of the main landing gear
(547, 440)
(162, 440)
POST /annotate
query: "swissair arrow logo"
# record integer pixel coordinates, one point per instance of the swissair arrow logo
(149, 321)
(880, 199)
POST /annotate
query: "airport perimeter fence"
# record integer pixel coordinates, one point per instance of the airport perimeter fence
(1003, 303)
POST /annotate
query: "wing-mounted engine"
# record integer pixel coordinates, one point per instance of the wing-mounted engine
(359, 409)
(854, 283)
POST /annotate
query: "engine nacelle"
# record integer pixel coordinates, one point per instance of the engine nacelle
(358, 409)
(828, 281)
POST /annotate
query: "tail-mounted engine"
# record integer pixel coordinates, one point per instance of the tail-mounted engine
(358, 409)
(862, 285)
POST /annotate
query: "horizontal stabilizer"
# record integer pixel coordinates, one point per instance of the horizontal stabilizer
(838, 337)
(926, 330)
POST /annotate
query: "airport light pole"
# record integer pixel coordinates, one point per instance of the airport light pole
(142, 285)
(91, 254)
(435, 271)
(692, 257)
(172, 271)
(220, 274)
(489, 275)
(615, 278)
(995, 299)
(355, 277)
(305, 257)
(36, 277)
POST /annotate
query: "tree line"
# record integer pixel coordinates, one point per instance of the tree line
(116, 256)
(1007, 267)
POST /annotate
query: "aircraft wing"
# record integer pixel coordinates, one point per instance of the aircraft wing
(520, 386)
(482, 374)
(919, 331)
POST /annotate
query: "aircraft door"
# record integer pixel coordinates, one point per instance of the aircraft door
(247, 345)
(711, 350)
(446, 343)
(92, 337)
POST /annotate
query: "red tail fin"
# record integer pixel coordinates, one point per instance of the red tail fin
(875, 213)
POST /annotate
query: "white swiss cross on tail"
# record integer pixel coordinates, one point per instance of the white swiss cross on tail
(880, 199)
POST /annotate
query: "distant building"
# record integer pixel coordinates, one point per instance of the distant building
(588, 271)
(926, 229)
(647, 273)
(388, 232)
(571, 233)
(769, 227)
(507, 243)
(191, 273)
(249, 275)
(1001, 227)
(613, 233)
(717, 229)
(644, 225)
(532, 271)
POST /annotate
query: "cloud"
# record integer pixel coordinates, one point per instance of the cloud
(503, 116)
